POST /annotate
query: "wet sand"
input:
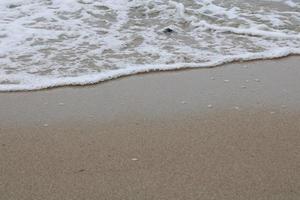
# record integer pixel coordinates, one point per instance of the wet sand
(231, 132)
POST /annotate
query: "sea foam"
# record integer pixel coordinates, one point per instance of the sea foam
(76, 42)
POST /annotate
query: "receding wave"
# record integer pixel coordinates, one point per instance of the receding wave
(49, 43)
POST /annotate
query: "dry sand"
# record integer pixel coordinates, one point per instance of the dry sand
(231, 132)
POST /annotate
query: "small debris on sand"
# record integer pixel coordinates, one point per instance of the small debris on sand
(79, 171)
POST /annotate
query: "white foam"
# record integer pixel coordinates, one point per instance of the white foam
(291, 3)
(76, 42)
(249, 31)
(36, 83)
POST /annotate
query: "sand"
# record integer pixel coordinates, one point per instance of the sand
(231, 132)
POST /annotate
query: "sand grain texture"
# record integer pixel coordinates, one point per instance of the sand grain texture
(133, 138)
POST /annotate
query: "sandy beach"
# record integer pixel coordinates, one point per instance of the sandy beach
(230, 133)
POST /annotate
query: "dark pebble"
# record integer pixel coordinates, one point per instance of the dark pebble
(168, 30)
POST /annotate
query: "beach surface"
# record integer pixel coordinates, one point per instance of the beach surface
(231, 132)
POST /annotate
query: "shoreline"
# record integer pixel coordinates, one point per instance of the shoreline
(93, 79)
(230, 132)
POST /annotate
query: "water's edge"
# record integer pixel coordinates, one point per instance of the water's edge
(115, 74)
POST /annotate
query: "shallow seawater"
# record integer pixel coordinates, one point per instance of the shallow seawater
(46, 43)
